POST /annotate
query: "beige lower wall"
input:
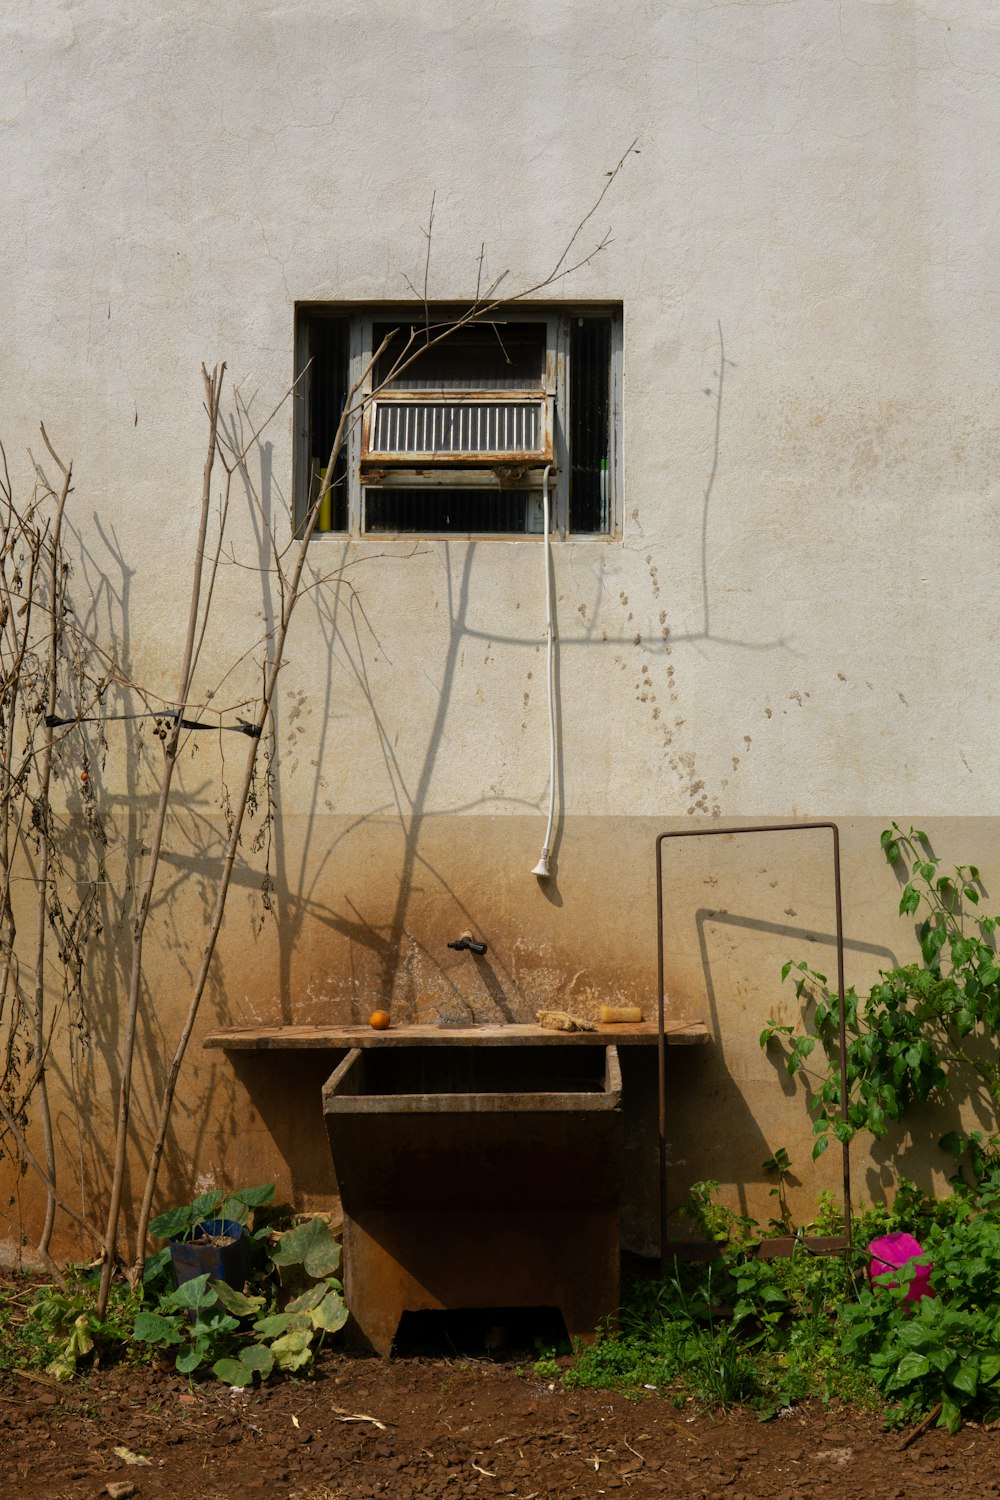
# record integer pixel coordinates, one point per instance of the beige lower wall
(363, 912)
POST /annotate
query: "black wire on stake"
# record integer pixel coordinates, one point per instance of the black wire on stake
(242, 726)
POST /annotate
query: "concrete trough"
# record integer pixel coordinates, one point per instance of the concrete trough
(478, 1177)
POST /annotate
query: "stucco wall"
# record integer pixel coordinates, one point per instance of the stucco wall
(798, 619)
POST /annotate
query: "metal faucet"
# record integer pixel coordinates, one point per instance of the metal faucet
(467, 941)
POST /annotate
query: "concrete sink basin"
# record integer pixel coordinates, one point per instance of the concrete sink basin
(477, 1177)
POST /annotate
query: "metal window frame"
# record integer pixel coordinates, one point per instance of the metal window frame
(448, 470)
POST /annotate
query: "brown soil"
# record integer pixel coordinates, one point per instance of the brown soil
(447, 1428)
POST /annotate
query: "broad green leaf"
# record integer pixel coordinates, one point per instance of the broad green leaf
(156, 1264)
(254, 1360)
(909, 901)
(234, 1301)
(309, 1299)
(258, 1358)
(279, 1323)
(331, 1314)
(205, 1206)
(966, 1377)
(190, 1358)
(195, 1293)
(172, 1224)
(151, 1328)
(951, 1414)
(256, 1197)
(292, 1350)
(240, 1205)
(232, 1372)
(911, 1367)
(310, 1245)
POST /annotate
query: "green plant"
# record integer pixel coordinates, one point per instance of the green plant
(69, 1329)
(179, 1224)
(922, 1029)
(781, 1166)
(721, 1225)
(294, 1302)
(546, 1366)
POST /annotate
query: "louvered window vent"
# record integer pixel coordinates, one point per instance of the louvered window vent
(478, 430)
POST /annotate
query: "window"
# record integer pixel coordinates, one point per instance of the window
(456, 432)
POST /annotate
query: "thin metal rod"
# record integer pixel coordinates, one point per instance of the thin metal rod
(661, 1048)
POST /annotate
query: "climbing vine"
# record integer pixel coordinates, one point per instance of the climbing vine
(923, 1029)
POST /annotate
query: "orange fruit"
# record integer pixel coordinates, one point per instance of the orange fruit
(379, 1020)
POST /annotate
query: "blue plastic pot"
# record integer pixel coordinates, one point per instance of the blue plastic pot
(193, 1257)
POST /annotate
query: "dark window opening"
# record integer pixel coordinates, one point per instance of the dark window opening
(427, 454)
(329, 352)
(484, 357)
(589, 423)
(443, 509)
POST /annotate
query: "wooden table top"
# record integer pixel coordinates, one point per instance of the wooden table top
(519, 1034)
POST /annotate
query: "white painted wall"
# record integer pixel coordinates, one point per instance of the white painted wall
(816, 195)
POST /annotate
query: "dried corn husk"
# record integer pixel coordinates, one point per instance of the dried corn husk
(561, 1020)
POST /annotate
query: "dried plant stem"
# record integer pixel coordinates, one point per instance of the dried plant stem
(44, 824)
(144, 894)
(291, 590)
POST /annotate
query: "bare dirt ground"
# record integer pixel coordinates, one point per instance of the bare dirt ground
(405, 1428)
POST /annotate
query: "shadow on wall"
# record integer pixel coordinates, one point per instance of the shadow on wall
(714, 1133)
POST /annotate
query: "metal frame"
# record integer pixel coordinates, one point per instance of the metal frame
(827, 1245)
(431, 471)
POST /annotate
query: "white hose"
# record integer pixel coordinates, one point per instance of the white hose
(542, 867)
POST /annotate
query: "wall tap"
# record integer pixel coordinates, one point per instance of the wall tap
(467, 941)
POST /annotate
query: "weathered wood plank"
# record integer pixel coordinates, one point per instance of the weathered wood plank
(306, 1038)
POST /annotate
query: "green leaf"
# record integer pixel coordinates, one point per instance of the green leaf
(971, 894)
(820, 1147)
(951, 1414)
(172, 1224)
(205, 1206)
(279, 1323)
(966, 1377)
(234, 1301)
(292, 1350)
(151, 1328)
(232, 1372)
(253, 1360)
(156, 1265)
(331, 1315)
(240, 1205)
(909, 901)
(911, 1367)
(195, 1293)
(190, 1358)
(81, 1340)
(309, 1299)
(258, 1358)
(310, 1245)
